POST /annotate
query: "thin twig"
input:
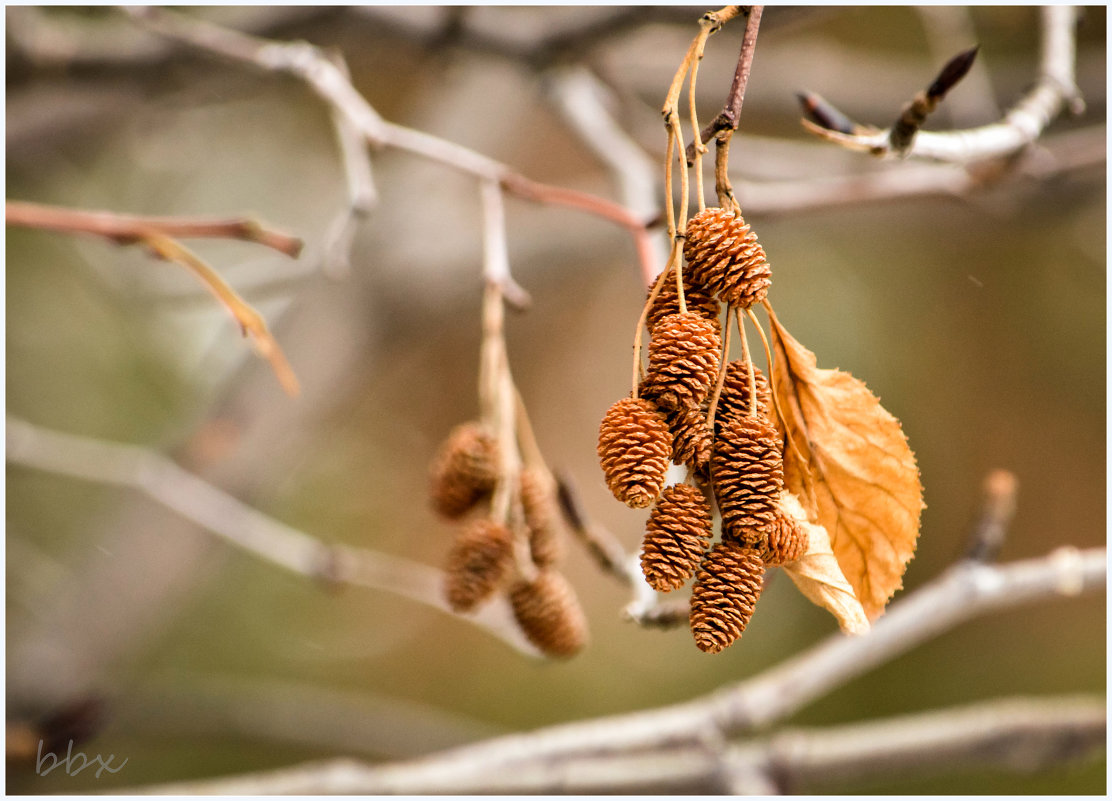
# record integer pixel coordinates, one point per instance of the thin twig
(1020, 734)
(730, 115)
(496, 260)
(308, 64)
(600, 543)
(239, 524)
(1054, 91)
(129, 228)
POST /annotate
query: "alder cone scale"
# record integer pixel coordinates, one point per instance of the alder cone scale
(747, 472)
(539, 505)
(726, 590)
(699, 300)
(684, 355)
(691, 438)
(677, 535)
(634, 449)
(723, 255)
(464, 470)
(549, 614)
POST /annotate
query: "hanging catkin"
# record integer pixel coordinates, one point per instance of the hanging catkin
(726, 590)
(538, 501)
(634, 449)
(724, 256)
(549, 615)
(747, 471)
(677, 535)
(478, 562)
(699, 300)
(733, 403)
(464, 469)
(684, 355)
(785, 541)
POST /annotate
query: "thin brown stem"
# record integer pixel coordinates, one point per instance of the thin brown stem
(127, 228)
(637, 335)
(722, 364)
(748, 363)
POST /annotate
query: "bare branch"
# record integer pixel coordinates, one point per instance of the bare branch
(1054, 90)
(128, 228)
(730, 116)
(496, 257)
(1017, 734)
(306, 63)
(239, 524)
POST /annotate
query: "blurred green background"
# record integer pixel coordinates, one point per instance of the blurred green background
(979, 321)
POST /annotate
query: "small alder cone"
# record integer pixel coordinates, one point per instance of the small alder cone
(785, 541)
(634, 449)
(684, 355)
(747, 472)
(464, 470)
(539, 504)
(699, 300)
(677, 535)
(478, 562)
(691, 438)
(733, 402)
(549, 615)
(724, 256)
(726, 590)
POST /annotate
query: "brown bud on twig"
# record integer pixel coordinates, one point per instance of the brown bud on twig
(634, 449)
(549, 615)
(464, 470)
(699, 300)
(723, 255)
(684, 355)
(747, 471)
(726, 590)
(677, 535)
(784, 540)
(538, 502)
(478, 562)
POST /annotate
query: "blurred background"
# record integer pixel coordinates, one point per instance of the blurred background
(978, 319)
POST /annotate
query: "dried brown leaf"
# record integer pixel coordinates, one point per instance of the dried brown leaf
(818, 575)
(848, 461)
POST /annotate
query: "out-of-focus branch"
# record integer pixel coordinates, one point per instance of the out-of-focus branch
(582, 100)
(1054, 90)
(1017, 734)
(308, 64)
(1074, 150)
(156, 234)
(128, 228)
(239, 524)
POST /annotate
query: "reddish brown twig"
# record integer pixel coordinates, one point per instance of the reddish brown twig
(730, 116)
(127, 228)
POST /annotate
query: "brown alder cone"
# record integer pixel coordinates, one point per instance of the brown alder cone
(538, 501)
(784, 541)
(699, 300)
(464, 469)
(677, 535)
(478, 562)
(733, 402)
(634, 449)
(684, 355)
(747, 471)
(723, 255)
(691, 438)
(726, 590)
(549, 614)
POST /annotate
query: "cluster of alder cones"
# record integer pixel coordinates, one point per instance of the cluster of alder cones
(487, 557)
(736, 459)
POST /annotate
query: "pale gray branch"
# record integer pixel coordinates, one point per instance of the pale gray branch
(1015, 734)
(1054, 90)
(241, 525)
(967, 590)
